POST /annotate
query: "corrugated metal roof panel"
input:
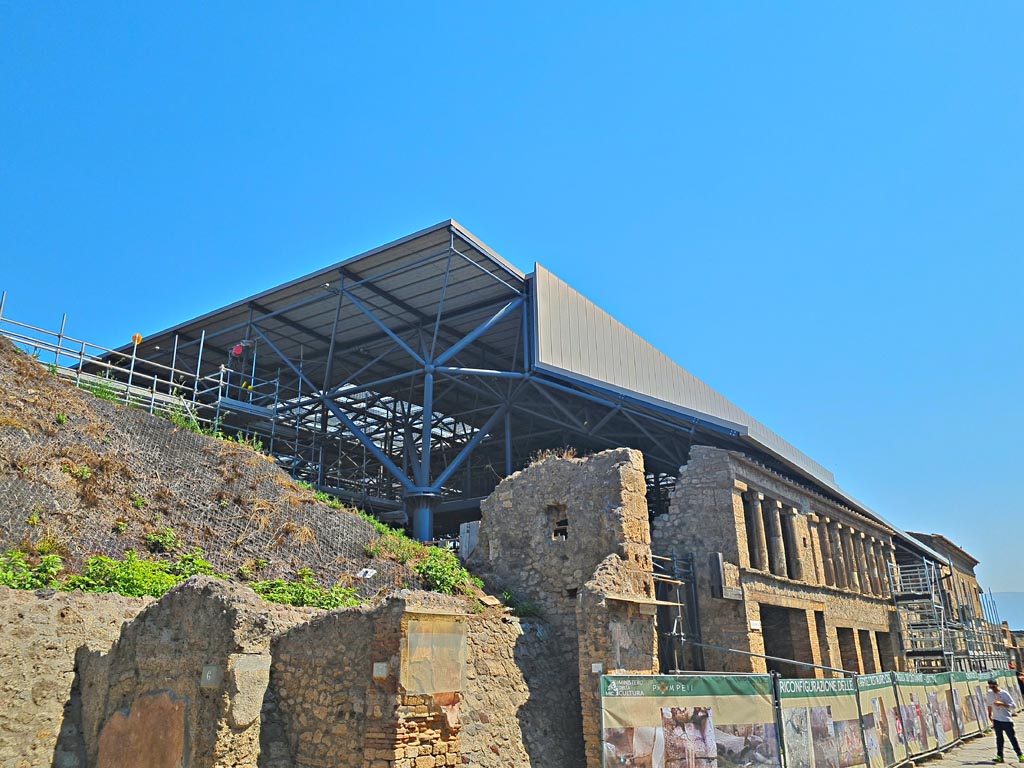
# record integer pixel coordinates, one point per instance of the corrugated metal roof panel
(568, 329)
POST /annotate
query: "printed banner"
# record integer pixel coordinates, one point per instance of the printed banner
(698, 721)
(913, 697)
(1008, 682)
(821, 723)
(968, 717)
(940, 709)
(880, 719)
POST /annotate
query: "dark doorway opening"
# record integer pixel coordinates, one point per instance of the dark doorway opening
(786, 635)
(848, 649)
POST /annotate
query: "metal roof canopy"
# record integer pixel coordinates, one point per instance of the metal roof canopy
(400, 368)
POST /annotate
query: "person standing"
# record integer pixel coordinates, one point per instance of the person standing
(1000, 708)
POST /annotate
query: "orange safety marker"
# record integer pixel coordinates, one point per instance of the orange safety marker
(137, 339)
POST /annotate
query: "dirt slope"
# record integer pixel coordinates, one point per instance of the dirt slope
(83, 476)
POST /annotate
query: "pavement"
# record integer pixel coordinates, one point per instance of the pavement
(979, 750)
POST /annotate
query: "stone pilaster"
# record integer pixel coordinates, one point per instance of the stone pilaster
(794, 555)
(852, 577)
(838, 555)
(814, 537)
(866, 585)
(739, 489)
(883, 570)
(776, 542)
(827, 559)
(871, 545)
(760, 548)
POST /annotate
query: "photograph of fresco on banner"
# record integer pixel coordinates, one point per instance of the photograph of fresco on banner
(880, 719)
(689, 722)
(821, 724)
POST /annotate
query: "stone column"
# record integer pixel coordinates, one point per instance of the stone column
(866, 585)
(760, 548)
(827, 561)
(876, 578)
(883, 567)
(739, 511)
(838, 555)
(814, 536)
(777, 545)
(792, 545)
(853, 579)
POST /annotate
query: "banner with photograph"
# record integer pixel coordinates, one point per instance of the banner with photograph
(968, 717)
(979, 685)
(821, 723)
(939, 712)
(880, 719)
(912, 692)
(689, 721)
(1008, 682)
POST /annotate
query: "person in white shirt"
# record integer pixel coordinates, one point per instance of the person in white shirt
(1000, 709)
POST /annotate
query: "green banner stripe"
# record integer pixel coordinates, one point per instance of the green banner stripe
(874, 682)
(614, 686)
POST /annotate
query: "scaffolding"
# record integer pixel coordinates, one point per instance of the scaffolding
(939, 634)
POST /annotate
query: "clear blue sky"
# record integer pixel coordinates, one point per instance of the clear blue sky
(814, 207)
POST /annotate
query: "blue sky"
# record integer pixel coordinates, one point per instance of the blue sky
(814, 207)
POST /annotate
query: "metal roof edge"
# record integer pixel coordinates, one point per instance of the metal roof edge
(332, 268)
(481, 246)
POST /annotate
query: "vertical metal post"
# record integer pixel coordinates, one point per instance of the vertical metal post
(422, 514)
(152, 396)
(3, 302)
(252, 379)
(428, 426)
(60, 339)
(199, 363)
(220, 394)
(131, 371)
(277, 400)
(174, 361)
(81, 362)
(508, 442)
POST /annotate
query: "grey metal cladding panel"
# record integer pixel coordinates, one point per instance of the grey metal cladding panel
(567, 321)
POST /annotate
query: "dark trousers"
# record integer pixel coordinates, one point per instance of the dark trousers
(1006, 728)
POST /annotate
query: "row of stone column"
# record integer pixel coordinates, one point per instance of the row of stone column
(852, 559)
(774, 546)
(842, 557)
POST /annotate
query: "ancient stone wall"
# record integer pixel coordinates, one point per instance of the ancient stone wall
(40, 635)
(212, 675)
(780, 570)
(193, 668)
(571, 537)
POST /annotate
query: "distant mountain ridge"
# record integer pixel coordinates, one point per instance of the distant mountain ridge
(1011, 608)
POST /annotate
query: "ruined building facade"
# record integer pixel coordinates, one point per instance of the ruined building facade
(781, 571)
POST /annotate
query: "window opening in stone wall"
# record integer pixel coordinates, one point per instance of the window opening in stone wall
(571, 592)
(558, 522)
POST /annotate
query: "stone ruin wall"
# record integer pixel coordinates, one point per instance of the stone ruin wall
(40, 636)
(211, 675)
(571, 536)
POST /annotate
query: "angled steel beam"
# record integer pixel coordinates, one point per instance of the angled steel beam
(422, 318)
(467, 450)
(479, 331)
(358, 433)
(480, 372)
(380, 324)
